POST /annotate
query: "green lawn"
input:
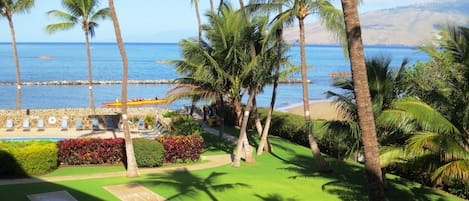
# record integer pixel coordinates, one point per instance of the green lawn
(289, 174)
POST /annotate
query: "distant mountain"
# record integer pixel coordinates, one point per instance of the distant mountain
(408, 25)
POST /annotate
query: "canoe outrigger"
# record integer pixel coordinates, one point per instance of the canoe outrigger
(117, 103)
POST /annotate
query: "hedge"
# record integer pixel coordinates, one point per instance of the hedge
(148, 153)
(181, 148)
(21, 159)
(91, 151)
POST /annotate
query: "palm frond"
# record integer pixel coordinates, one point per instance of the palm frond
(458, 169)
(391, 155)
(52, 28)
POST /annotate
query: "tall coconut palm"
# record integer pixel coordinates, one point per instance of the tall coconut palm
(132, 169)
(212, 7)
(84, 13)
(199, 22)
(332, 18)
(362, 93)
(7, 9)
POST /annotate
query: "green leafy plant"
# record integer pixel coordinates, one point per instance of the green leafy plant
(21, 159)
(185, 125)
(148, 153)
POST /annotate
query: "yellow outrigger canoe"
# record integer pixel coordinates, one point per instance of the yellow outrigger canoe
(136, 103)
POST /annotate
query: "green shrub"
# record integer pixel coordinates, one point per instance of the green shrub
(169, 113)
(185, 125)
(28, 158)
(148, 153)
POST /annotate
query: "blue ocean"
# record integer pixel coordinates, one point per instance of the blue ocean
(42, 62)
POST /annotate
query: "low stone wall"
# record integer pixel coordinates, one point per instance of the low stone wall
(52, 117)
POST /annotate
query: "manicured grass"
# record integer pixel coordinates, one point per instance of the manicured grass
(288, 174)
(77, 170)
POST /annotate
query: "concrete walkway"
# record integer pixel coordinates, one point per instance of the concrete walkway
(213, 161)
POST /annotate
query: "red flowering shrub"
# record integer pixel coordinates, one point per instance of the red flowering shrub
(91, 151)
(181, 148)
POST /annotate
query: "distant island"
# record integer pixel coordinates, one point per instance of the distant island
(404, 26)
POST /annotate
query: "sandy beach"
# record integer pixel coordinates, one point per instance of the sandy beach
(318, 109)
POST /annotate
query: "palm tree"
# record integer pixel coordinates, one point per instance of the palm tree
(212, 7)
(132, 169)
(362, 93)
(434, 145)
(85, 14)
(7, 9)
(197, 13)
(332, 18)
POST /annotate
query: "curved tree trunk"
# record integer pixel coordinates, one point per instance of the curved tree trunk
(90, 77)
(362, 94)
(243, 143)
(132, 169)
(17, 63)
(264, 144)
(322, 165)
(257, 121)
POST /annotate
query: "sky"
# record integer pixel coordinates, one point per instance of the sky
(158, 21)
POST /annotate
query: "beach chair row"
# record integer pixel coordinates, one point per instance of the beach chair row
(64, 124)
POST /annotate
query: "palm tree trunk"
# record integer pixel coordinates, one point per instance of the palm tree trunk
(212, 8)
(220, 5)
(362, 93)
(264, 143)
(322, 165)
(17, 63)
(257, 121)
(243, 143)
(222, 117)
(199, 22)
(90, 77)
(132, 169)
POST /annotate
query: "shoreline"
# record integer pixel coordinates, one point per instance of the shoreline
(324, 109)
(116, 82)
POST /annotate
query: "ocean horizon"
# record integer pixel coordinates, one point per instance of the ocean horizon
(50, 62)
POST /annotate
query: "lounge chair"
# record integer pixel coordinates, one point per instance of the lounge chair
(95, 123)
(109, 123)
(79, 124)
(9, 125)
(40, 124)
(141, 124)
(26, 126)
(64, 123)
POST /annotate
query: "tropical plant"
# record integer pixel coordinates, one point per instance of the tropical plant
(132, 169)
(363, 100)
(7, 9)
(443, 81)
(82, 13)
(332, 18)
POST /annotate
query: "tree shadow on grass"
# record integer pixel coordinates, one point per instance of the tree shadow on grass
(275, 197)
(188, 184)
(13, 171)
(348, 181)
(213, 143)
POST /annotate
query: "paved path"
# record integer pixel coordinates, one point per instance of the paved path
(213, 161)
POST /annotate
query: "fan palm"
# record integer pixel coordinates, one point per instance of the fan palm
(82, 13)
(132, 169)
(7, 9)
